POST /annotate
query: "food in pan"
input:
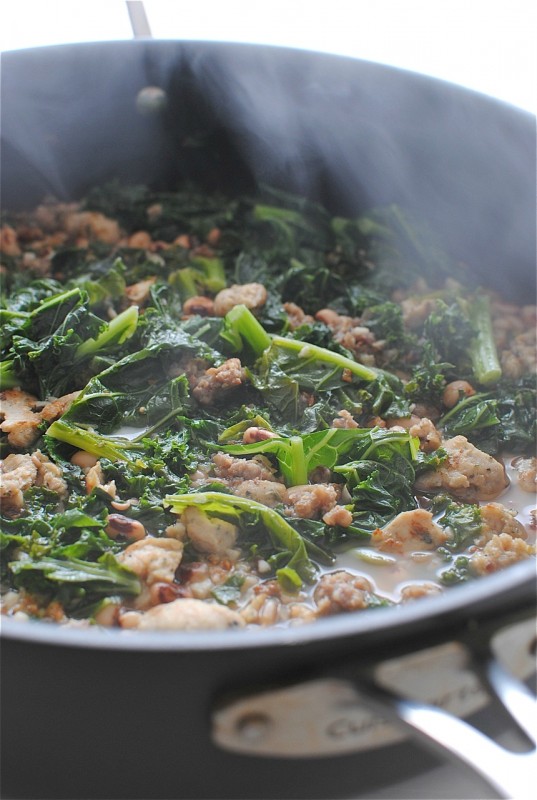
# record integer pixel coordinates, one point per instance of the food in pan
(245, 412)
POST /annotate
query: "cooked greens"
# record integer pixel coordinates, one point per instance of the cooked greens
(362, 325)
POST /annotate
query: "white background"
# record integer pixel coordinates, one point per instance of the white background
(488, 45)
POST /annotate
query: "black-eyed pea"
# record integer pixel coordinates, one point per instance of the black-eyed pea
(199, 304)
(83, 459)
(161, 592)
(454, 391)
(118, 525)
(255, 434)
(121, 506)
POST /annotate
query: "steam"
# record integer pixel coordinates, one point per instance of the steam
(349, 133)
(359, 135)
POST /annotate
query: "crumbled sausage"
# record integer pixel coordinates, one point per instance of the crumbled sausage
(296, 315)
(416, 310)
(232, 469)
(141, 239)
(339, 515)
(138, 293)
(17, 474)
(49, 474)
(270, 604)
(176, 531)
(519, 359)
(55, 408)
(185, 614)
(252, 295)
(183, 241)
(342, 591)
(499, 552)
(334, 320)
(527, 473)
(213, 237)
(344, 419)
(468, 473)
(218, 380)
(19, 418)
(430, 438)
(426, 410)
(415, 591)
(496, 518)
(95, 479)
(402, 423)
(152, 559)
(351, 333)
(269, 493)
(199, 578)
(9, 244)
(209, 534)
(515, 337)
(262, 609)
(311, 501)
(410, 530)
(52, 216)
(93, 225)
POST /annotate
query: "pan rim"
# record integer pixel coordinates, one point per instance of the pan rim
(297, 52)
(459, 603)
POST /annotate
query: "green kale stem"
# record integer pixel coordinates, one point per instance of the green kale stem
(74, 295)
(241, 326)
(231, 505)
(297, 472)
(147, 432)
(204, 274)
(214, 276)
(322, 354)
(8, 377)
(265, 213)
(380, 437)
(91, 442)
(185, 280)
(7, 315)
(117, 331)
(483, 354)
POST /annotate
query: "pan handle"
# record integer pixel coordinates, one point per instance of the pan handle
(422, 694)
(509, 773)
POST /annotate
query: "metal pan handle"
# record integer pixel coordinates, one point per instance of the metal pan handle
(422, 694)
(510, 774)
